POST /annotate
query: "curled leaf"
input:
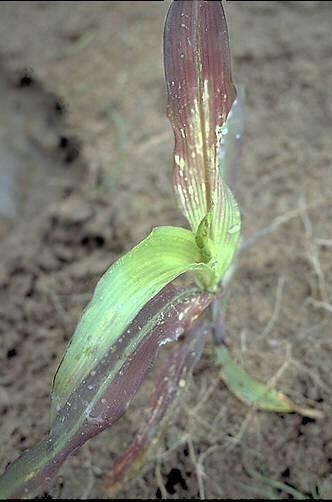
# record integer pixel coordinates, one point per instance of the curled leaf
(200, 96)
(205, 118)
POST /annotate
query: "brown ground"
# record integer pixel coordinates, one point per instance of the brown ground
(93, 180)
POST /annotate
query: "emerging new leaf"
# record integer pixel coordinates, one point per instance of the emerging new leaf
(200, 99)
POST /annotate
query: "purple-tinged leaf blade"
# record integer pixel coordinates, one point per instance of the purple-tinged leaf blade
(200, 96)
(124, 289)
(230, 145)
(103, 397)
(174, 375)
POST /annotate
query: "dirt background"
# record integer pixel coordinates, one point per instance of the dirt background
(85, 160)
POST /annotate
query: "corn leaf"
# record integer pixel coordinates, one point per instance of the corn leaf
(200, 95)
(135, 308)
(119, 295)
(104, 396)
(200, 98)
(172, 379)
(254, 393)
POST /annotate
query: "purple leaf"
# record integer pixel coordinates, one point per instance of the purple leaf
(172, 378)
(200, 95)
(164, 318)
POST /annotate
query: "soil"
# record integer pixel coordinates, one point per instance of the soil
(85, 173)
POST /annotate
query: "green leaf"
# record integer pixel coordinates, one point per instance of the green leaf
(206, 119)
(120, 294)
(225, 228)
(218, 232)
(254, 393)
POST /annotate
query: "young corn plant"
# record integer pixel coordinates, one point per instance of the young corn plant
(138, 305)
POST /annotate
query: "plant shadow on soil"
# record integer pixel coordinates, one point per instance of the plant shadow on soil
(60, 231)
